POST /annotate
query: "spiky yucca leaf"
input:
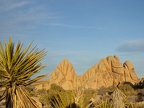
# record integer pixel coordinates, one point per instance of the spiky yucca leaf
(60, 99)
(104, 104)
(17, 66)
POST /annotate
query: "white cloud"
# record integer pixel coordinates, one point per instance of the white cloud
(18, 17)
(76, 26)
(17, 5)
(131, 46)
(67, 52)
(8, 5)
(15, 17)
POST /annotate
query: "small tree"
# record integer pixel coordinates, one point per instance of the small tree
(17, 66)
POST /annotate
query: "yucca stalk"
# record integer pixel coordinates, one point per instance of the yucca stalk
(118, 99)
(17, 66)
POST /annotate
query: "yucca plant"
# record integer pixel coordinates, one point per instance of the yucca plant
(61, 99)
(104, 104)
(17, 66)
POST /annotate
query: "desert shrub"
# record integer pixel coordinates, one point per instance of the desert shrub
(30, 90)
(85, 100)
(60, 99)
(73, 105)
(104, 104)
(44, 99)
(42, 91)
(132, 98)
(140, 95)
(140, 91)
(56, 87)
(56, 97)
(127, 89)
(106, 90)
(88, 94)
(134, 105)
(140, 84)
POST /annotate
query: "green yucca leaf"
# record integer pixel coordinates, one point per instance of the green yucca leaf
(28, 73)
(3, 96)
(4, 76)
(17, 66)
(9, 52)
(34, 80)
(25, 100)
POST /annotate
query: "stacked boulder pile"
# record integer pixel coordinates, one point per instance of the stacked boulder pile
(108, 72)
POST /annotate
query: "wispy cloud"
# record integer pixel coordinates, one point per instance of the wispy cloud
(33, 16)
(15, 17)
(67, 52)
(25, 16)
(76, 26)
(7, 5)
(131, 46)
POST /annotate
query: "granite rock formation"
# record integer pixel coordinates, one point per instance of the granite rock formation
(64, 75)
(108, 72)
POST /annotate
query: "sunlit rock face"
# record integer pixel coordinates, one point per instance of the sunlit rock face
(129, 73)
(108, 72)
(64, 75)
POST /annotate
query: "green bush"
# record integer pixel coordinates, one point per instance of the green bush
(30, 90)
(104, 104)
(60, 99)
(127, 89)
(88, 94)
(57, 97)
(106, 90)
(56, 87)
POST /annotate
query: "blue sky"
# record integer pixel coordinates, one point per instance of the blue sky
(84, 31)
